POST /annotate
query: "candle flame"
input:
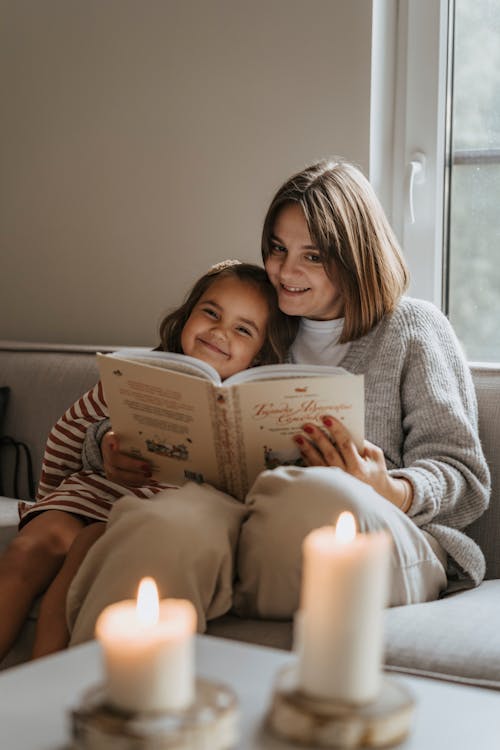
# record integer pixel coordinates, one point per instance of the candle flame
(345, 530)
(148, 604)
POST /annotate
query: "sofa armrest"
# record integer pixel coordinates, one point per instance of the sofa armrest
(9, 520)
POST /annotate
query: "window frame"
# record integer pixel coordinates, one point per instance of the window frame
(411, 36)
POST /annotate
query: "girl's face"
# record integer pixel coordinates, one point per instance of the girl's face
(227, 327)
(295, 270)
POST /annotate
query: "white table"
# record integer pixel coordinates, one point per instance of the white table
(35, 699)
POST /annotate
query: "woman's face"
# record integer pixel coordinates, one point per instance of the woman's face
(295, 269)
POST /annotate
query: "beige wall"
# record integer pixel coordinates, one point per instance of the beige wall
(140, 141)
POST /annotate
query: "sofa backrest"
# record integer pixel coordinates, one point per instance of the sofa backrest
(45, 380)
(486, 530)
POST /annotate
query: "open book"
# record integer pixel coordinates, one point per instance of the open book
(174, 411)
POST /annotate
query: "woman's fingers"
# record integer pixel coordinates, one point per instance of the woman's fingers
(332, 445)
(315, 453)
(318, 448)
(341, 437)
(121, 468)
(329, 445)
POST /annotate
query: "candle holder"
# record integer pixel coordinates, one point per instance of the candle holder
(306, 720)
(211, 721)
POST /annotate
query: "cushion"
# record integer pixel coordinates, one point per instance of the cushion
(272, 633)
(485, 530)
(456, 638)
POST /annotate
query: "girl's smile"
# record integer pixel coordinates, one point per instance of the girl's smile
(212, 347)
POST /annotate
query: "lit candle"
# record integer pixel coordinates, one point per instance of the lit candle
(339, 628)
(148, 651)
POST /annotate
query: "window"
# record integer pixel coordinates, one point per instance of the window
(444, 168)
(472, 295)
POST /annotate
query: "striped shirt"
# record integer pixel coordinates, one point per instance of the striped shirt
(64, 485)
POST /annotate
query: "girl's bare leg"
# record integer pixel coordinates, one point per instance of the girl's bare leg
(28, 565)
(52, 632)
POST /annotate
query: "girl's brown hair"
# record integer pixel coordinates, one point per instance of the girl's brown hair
(348, 224)
(281, 329)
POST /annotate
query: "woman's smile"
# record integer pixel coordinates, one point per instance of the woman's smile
(294, 289)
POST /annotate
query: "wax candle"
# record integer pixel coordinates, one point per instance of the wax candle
(148, 651)
(339, 628)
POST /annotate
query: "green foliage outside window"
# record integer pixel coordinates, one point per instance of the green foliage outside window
(474, 233)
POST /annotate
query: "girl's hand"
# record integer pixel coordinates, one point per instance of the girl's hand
(121, 468)
(333, 445)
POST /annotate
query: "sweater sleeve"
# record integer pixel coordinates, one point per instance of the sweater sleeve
(442, 455)
(91, 451)
(63, 450)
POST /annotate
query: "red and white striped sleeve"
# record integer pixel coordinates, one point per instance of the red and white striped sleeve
(63, 451)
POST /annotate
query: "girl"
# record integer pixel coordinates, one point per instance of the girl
(335, 263)
(231, 320)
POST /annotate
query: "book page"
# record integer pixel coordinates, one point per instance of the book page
(163, 417)
(269, 414)
(285, 370)
(169, 361)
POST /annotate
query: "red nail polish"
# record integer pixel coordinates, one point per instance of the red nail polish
(299, 440)
(308, 429)
(327, 421)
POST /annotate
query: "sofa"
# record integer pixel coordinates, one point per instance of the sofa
(456, 638)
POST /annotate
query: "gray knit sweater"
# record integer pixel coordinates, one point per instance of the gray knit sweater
(421, 410)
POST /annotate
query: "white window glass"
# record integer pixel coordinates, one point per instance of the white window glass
(473, 268)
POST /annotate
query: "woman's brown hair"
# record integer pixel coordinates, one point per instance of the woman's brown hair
(348, 224)
(281, 329)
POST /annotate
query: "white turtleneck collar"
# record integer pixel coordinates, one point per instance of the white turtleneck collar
(317, 342)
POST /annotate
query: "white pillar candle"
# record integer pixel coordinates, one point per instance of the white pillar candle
(339, 628)
(148, 651)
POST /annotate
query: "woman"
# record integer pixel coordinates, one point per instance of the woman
(331, 255)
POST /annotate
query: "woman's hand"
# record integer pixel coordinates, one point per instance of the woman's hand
(333, 445)
(121, 468)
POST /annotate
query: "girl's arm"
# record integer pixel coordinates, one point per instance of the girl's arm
(101, 454)
(63, 450)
